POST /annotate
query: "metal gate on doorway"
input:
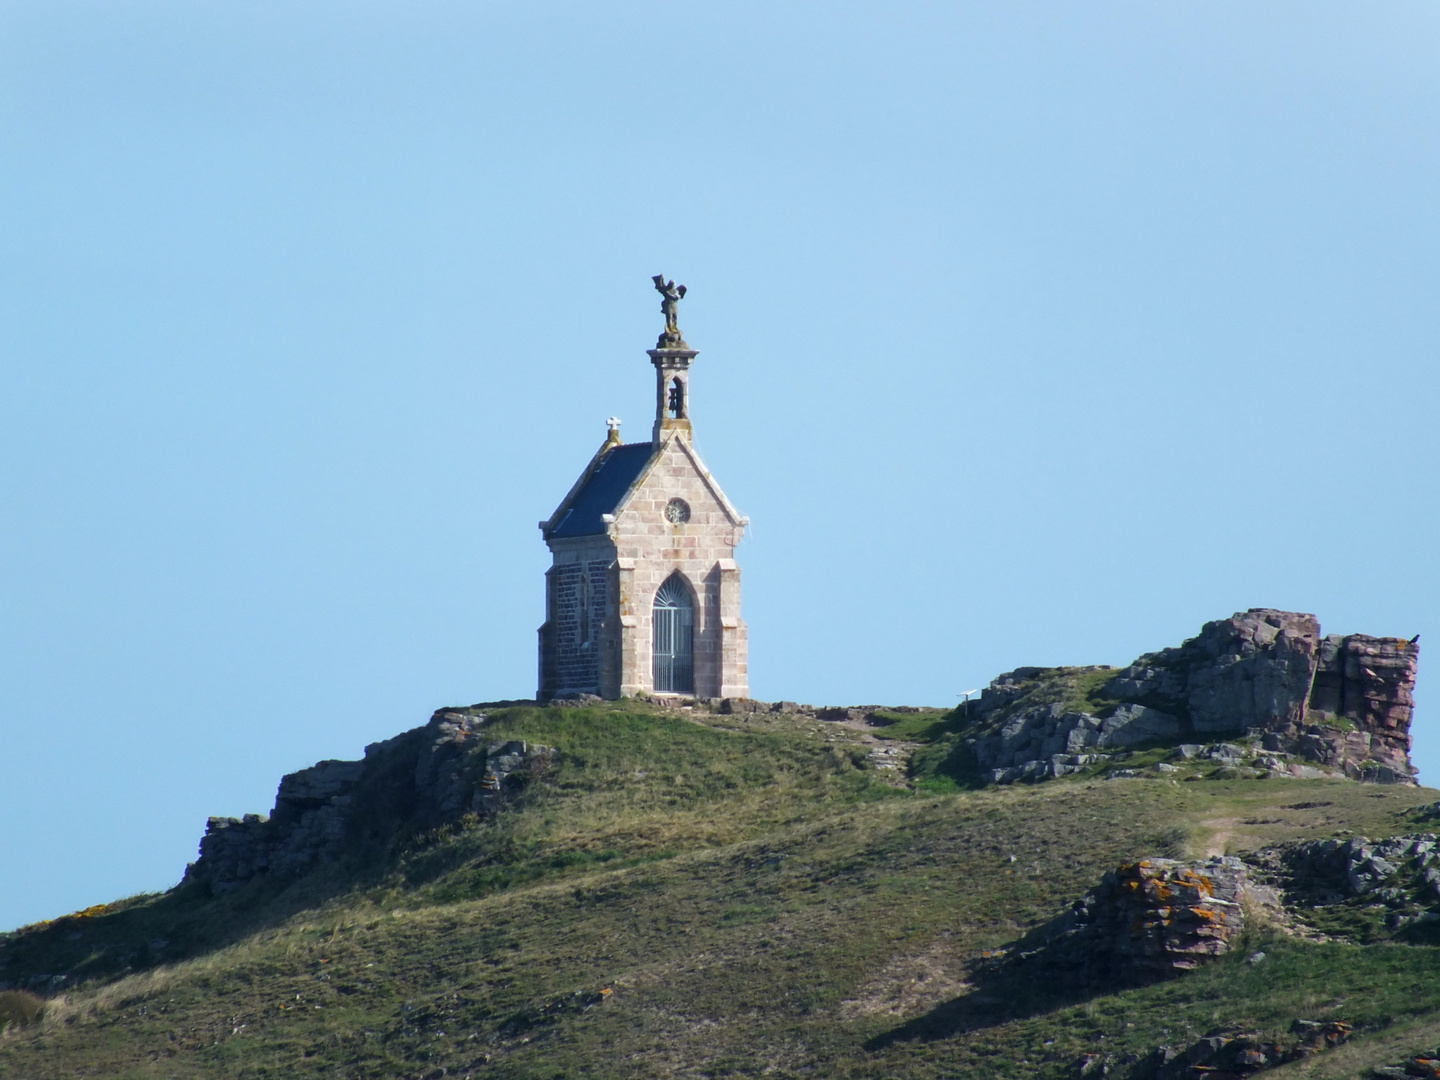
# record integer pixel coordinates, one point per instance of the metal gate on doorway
(673, 638)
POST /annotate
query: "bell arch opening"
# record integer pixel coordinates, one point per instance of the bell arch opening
(672, 638)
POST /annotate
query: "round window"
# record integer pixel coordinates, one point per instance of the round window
(677, 511)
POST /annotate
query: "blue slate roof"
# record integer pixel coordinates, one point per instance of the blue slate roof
(604, 490)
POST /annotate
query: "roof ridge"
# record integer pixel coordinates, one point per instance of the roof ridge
(602, 490)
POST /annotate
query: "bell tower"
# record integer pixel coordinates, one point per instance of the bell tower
(672, 357)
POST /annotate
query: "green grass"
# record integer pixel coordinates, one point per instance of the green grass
(924, 727)
(755, 902)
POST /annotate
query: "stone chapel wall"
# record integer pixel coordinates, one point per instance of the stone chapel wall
(649, 549)
(578, 601)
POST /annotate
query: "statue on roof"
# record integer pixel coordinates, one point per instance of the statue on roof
(671, 295)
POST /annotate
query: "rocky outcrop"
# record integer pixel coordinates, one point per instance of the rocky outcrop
(1225, 1054)
(1343, 703)
(423, 778)
(1252, 669)
(1147, 921)
(1048, 740)
(1346, 702)
(1424, 1064)
(1369, 682)
(1159, 918)
(1397, 878)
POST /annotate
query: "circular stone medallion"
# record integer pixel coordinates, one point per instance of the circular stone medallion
(677, 511)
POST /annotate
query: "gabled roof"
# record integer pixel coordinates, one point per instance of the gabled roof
(704, 473)
(601, 491)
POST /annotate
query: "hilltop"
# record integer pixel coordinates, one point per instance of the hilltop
(647, 888)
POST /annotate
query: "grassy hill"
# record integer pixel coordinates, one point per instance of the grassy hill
(700, 895)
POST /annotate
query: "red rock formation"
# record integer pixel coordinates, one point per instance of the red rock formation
(1346, 702)
(1370, 682)
(1145, 921)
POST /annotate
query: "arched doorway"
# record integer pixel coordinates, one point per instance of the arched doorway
(673, 638)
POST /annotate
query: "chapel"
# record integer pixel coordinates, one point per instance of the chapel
(643, 594)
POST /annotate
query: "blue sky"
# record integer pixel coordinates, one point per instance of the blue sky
(1030, 334)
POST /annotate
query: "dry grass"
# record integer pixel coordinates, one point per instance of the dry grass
(19, 1009)
(910, 984)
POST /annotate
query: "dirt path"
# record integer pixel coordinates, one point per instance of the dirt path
(1222, 830)
(890, 756)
